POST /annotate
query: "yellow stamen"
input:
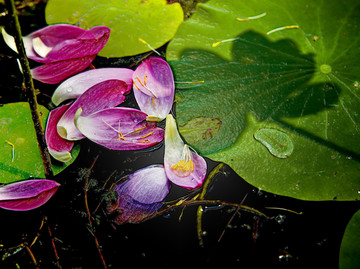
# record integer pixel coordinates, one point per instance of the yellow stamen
(12, 150)
(139, 129)
(152, 100)
(283, 28)
(145, 80)
(183, 168)
(140, 81)
(121, 137)
(146, 135)
(223, 41)
(252, 17)
(147, 44)
(144, 141)
(136, 85)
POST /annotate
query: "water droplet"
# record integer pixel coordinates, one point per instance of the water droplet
(277, 142)
(358, 191)
(356, 84)
(280, 219)
(70, 89)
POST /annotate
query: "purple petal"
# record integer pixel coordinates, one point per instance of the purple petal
(66, 42)
(141, 194)
(119, 128)
(27, 194)
(183, 166)
(75, 86)
(153, 85)
(102, 95)
(58, 147)
(53, 73)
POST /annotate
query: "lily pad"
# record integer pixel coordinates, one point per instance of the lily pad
(20, 155)
(274, 65)
(350, 246)
(131, 22)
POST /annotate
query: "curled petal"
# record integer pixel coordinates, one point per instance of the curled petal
(183, 166)
(153, 85)
(119, 128)
(102, 95)
(58, 147)
(53, 73)
(27, 194)
(141, 194)
(63, 42)
(75, 86)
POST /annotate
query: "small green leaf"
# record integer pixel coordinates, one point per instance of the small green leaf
(20, 155)
(153, 21)
(350, 245)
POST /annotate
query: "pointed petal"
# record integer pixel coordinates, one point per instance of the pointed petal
(9, 40)
(153, 85)
(141, 194)
(102, 95)
(74, 86)
(184, 167)
(119, 128)
(58, 147)
(56, 72)
(27, 194)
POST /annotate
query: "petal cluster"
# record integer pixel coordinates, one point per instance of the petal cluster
(63, 49)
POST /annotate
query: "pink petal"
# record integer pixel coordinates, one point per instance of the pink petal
(141, 194)
(75, 86)
(56, 72)
(58, 147)
(67, 42)
(102, 95)
(183, 166)
(153, 85)
(27, 194)
(119, 128)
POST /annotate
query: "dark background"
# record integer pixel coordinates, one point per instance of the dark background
(65, 238)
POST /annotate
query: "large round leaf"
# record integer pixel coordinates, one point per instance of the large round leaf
(350, 245)
(153, 21)
(272, 89)
(20, 155)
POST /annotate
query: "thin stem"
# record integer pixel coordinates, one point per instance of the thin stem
(30, 89)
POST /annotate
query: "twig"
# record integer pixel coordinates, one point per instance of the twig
(200, 209)
(54, 247)
(92, 229)
(30, 89)
(32, 256)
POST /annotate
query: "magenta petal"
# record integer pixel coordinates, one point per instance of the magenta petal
(27, 194)
(102, 95)
(67, 42)
(58, 147)
(141, 194)
(75, 86)
(119, 128)
(53, 73)
(153, 85)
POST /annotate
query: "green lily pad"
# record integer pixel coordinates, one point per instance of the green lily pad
(20, 155)
(153, 21)
(270, 65)
(350, 246)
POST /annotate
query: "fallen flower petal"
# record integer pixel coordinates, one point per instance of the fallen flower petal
(64, 49)
(102, 95)
(76, 85)
(141, 194)
(153, 85)
(58, 147)
(183, 166)
(27, 194)
(119, 128)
